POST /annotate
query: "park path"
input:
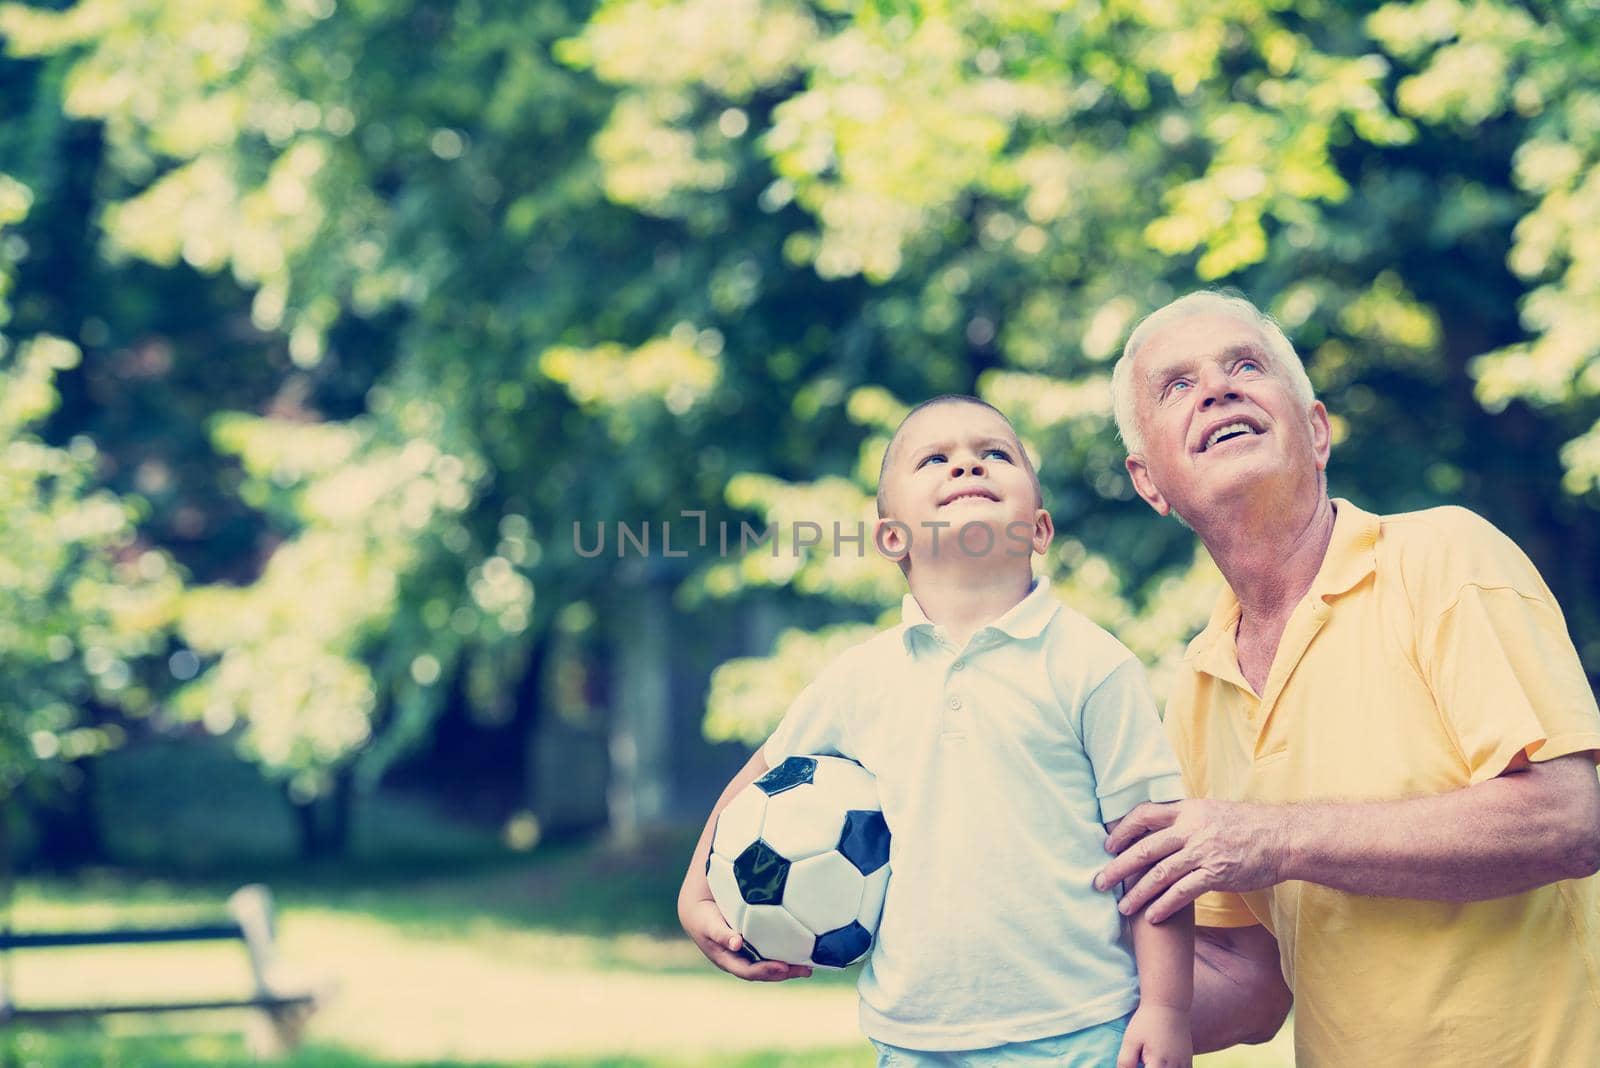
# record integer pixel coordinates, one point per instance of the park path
(501, 995)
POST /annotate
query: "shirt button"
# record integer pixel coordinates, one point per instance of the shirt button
(955, 703)
(958, 665)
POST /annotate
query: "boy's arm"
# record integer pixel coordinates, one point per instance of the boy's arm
(698, 912)
(1159, 1033)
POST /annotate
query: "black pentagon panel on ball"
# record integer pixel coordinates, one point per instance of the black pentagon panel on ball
(760, 873)
(865, 840)
(844, 946)
(794, 771)
(748, 952)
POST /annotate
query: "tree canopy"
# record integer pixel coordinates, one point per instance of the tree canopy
(472, 272)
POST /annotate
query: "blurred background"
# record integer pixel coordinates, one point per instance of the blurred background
(357, 356)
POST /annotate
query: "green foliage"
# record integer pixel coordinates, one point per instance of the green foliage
(234, 133)
(296, 650)
(749, 694)
(80, 605)
(1022, 181)
(562, 262)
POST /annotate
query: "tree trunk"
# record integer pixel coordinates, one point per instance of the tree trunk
(528, 715)
(67, 817)
(641, 713)
(323, 823)
(68, 822)
(341, 812)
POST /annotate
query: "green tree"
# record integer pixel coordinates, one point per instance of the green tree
(549, 354)
(577, 262)
(1019, 182)
(83, 608)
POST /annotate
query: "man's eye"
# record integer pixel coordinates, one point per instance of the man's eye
(1247, 365)
(1176, 386)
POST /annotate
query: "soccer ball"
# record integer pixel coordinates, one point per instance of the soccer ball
(800, 862)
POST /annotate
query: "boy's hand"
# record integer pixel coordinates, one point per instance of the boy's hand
(721, 944)
(1157, 1037)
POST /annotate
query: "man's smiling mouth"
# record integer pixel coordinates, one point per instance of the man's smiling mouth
(1227, 432)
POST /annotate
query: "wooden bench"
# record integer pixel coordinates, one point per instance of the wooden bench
(283, 1008)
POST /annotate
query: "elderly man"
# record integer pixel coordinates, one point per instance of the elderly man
(1385, 730)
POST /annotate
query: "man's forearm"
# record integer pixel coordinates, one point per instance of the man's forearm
(1526, 828)
(1500, 837)
(1238, 996)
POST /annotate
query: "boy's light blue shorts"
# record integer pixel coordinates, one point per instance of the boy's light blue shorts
(1092, 1047)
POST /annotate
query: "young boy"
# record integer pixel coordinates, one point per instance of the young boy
(1007, 734)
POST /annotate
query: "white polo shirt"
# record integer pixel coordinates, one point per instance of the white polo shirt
(998, 765)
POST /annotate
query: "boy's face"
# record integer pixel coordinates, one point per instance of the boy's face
(961, 464)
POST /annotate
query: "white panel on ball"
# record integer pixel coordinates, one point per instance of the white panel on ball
(802, 822)
(777, 935)
(725, 890)
(823, 892)
(739, 823)
(851, 785)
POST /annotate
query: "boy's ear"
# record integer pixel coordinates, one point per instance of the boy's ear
(1145, 486)
(892, 539)
(1044, 531)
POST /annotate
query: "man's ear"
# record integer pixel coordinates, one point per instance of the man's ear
(1145, 486)
(1321, 434)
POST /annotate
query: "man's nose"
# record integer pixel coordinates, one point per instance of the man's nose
(1214, 386)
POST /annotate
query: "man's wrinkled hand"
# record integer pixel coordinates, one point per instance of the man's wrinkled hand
(1183, 849)
(703, 922)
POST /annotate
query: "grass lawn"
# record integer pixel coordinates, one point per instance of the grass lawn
(458, 954)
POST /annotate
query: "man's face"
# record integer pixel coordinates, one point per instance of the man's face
(962, 464)
(1220, 420)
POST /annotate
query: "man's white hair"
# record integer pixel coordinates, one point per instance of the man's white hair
(1201, 302)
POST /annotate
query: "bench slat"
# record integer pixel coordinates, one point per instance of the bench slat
(208, 932)
(43, 1014)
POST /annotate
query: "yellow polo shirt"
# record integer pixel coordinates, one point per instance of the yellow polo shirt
(1427, 655)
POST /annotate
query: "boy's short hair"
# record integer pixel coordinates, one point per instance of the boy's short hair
(950, 398)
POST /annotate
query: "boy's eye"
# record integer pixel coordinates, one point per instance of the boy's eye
(937, 457)
(1003, 454)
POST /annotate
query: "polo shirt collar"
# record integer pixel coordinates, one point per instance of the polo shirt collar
(1025, 619)
(1352, 555)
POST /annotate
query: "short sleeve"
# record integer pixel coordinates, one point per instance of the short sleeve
(1211, 909)
(1215, 909)
(1123, 739)
(1508, 679)
(813, 725)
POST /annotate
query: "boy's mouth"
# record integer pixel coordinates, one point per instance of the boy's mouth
(968, 494)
